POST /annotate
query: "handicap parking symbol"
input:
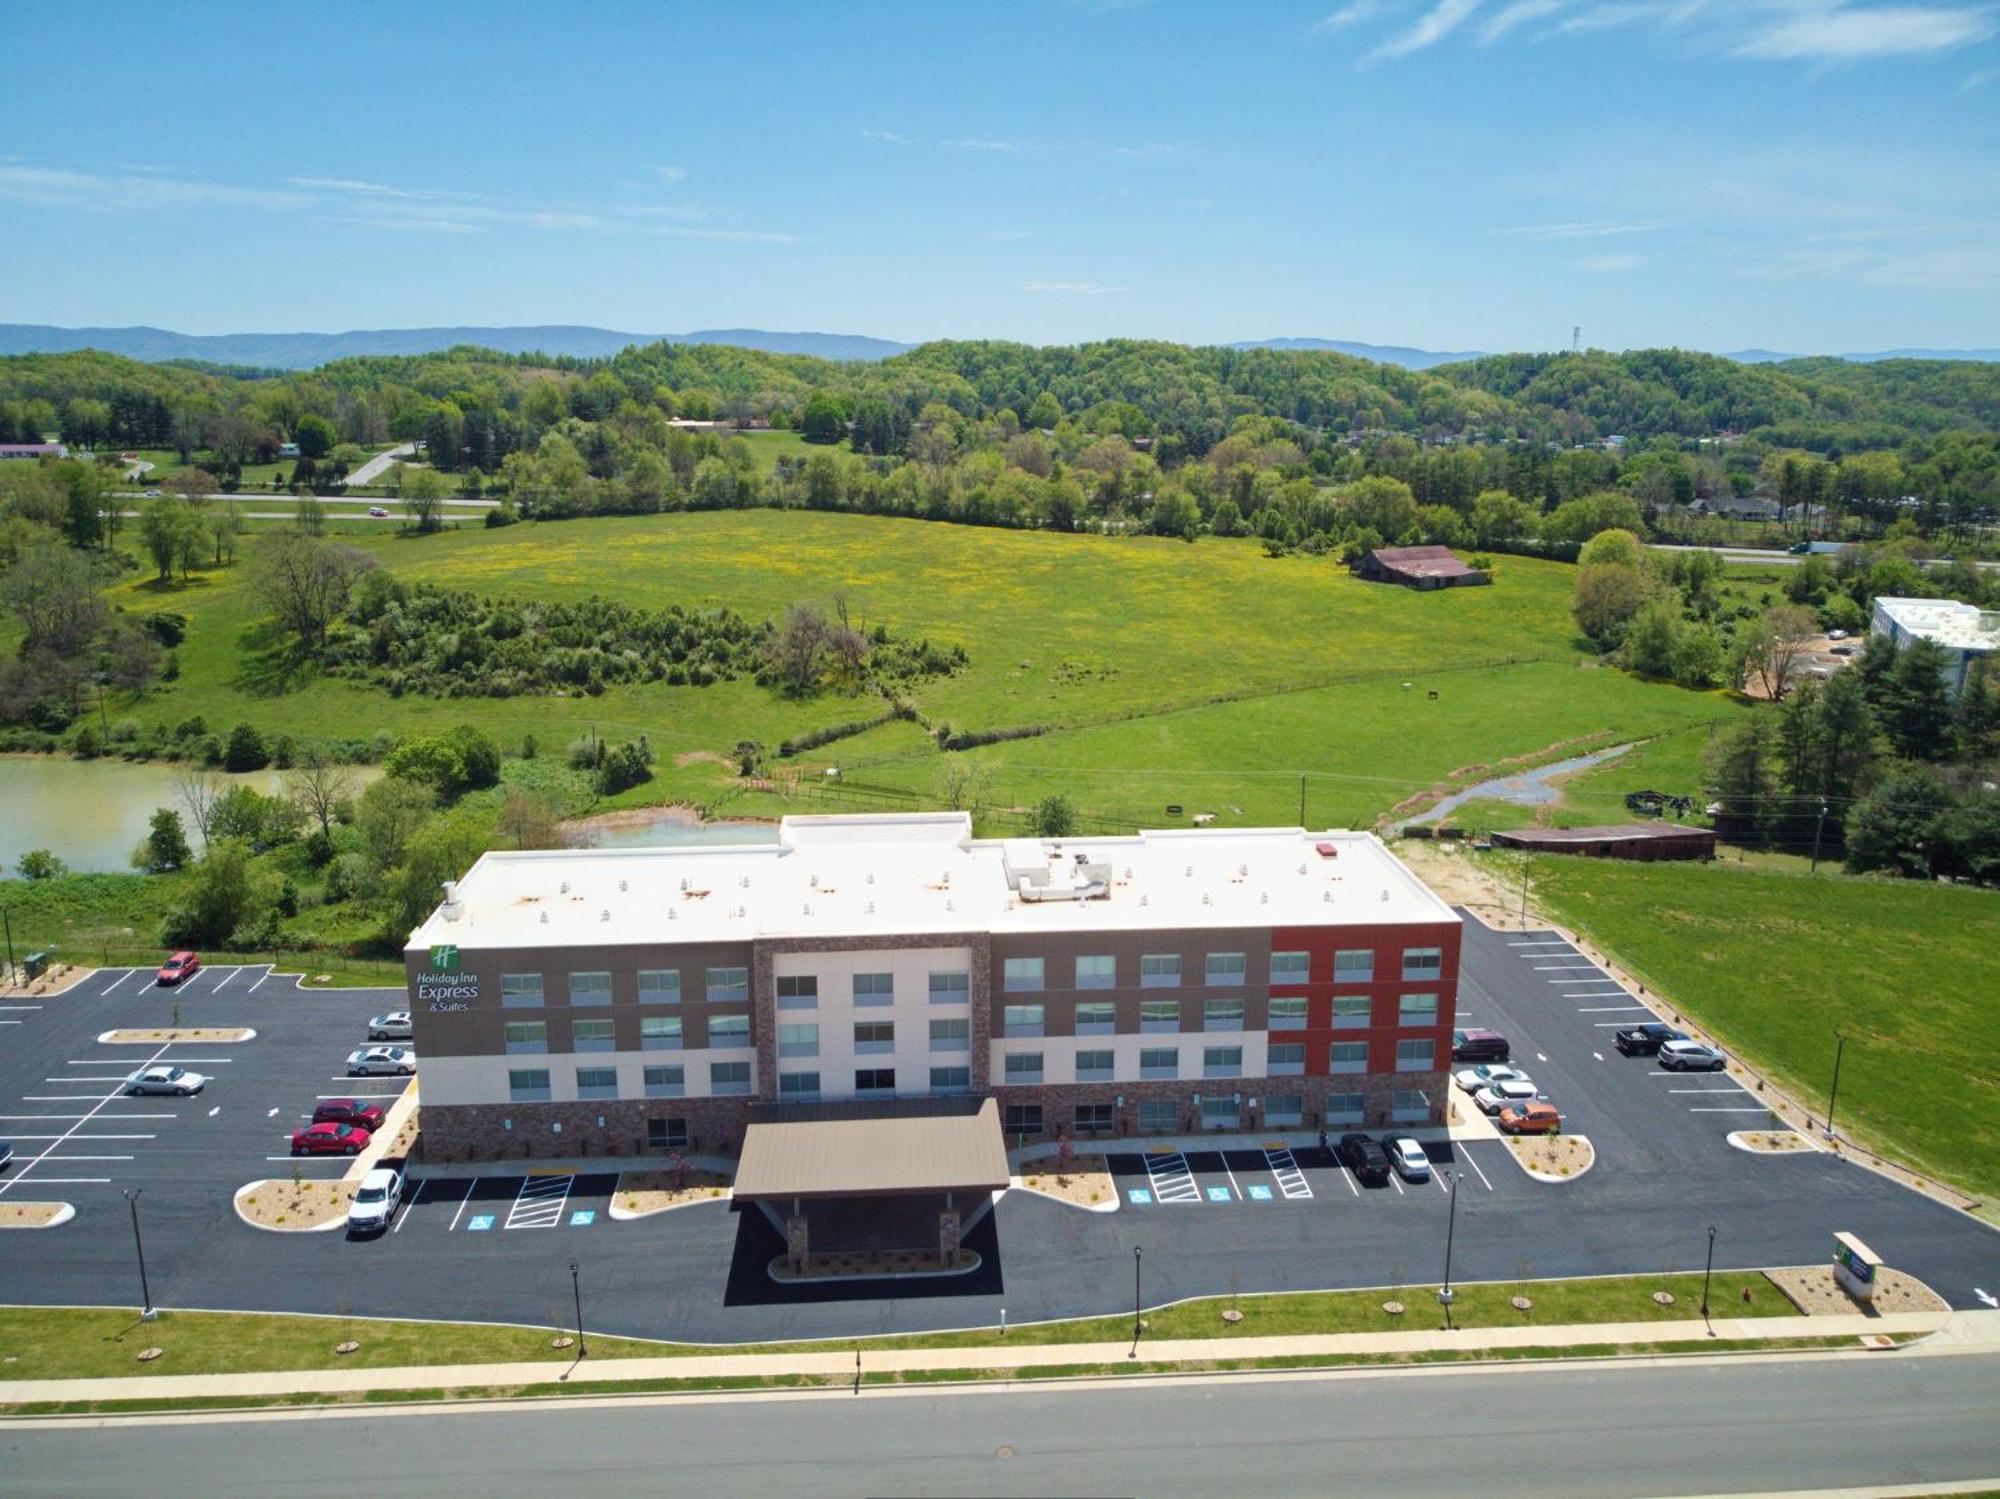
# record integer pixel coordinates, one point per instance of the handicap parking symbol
(480, 1221)
(1220, 1194)
(1138, 1196)
(1259, 1192)
(583, 1217)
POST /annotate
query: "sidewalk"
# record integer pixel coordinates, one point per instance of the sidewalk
(1963, 1330)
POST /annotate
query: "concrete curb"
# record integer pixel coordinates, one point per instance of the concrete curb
(66, 1211)
(1543, 1176)
(236, 1202)
(1737, 1139)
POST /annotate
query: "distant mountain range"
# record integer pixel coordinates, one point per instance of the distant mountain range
(297, 351)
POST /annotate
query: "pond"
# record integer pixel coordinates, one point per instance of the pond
(1527, 788)
(663, 827)
(92, 813)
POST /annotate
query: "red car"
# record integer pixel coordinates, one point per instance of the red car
(349, 1111)
(181, 965)
(330, 1139)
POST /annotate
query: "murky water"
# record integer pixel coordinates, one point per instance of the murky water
(667, 827)
(1527, 788)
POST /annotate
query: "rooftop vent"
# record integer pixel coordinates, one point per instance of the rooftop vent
(453, 907)
(564, 888)
(605, 915)
(621, 887)
(545, 918)
(1034, 873)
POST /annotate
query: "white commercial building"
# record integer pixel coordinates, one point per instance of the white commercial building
(1966, 632)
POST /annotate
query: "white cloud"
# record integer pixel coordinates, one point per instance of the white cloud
(1148, 148)
(1604, 265)
(371, 189)
(1353, 14)
(729, 236)
(1430, 28)
(1978, 80)
(1073, 288)
(671, 175)
(57, 187)
(1519, 13)
(1001, 146)
(890, 137)
(1851, 35)
(1587, 230)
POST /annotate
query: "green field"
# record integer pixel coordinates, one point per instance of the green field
(1776, 962)
(1130, 640)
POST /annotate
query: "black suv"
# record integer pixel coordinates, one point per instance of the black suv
(1365, 1156)
(1480, 1046)
(1646, 1040)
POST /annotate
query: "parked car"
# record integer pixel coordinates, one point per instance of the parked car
(1408, 1157)
(180, 967)
(394, 1026)
(1472, 1079)
(381, 1061)
(1841, 650)
(1496, 1096)
(1529, 1118)
(376, 512)
(1691, 1056)
(1644, 1040)
(375, 1201)
(155, 494)
(1479, 1046)
(359, 1111)
(1836, 634)
(6, 1154)
(330, 1139)
(1365, 1157)
(165, 1080)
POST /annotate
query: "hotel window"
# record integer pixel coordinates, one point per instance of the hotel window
(1164, 1061)
(1418, 1009)
(1415, 1056)
(798, 991)
(660, 1032)
(1346, 1108)
(1221, 1113)
(798, 1040)
(951, 1079)
(1222, 1015)
(1094, 1119)
(874, 1036)
(1096, 1017)
(1094, 1066)
(1158, 1015)
(520, 991)
(590, 988)
(1347, 1056)
(1022, 1020)
(724, 984)
(1290, 967)
(1158, 1116)
(1022, 975)
(667, 1134)
(1423, 962)
(1352, 1012)
(1282, 1109)
(1160, 970)
(875, 1080)
(666, 1082)
(951, 988)
(1288, 1014)
(592, 1035)
(597, 1082)
(729, 1030)
(528, 1086)
(1354, 966)
(799, 1087)
(1023, 1119)
(874, 989)
(659, 986)
(1023, 1067)
(1224, 968)
(524, 1036)
(728, 1077)
(1222, 1061)
(1097, 972)
(951, 1035)
(1288, 1060)
(1411, 1105)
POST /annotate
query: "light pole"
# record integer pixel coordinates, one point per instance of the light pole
(7, 921)
(1833, 1093)
(1137, 1255)
(147, 1313)
(1450, 1231)
(1818, 828)
(576, 1290)
(1707, 1270)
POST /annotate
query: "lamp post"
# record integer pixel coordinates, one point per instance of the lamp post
(1818, 828)
(147, 1313)
(1137, 1256)
(1707, 1270)
(7, 921)
(1450, 1232)
(1833, 1093)
(576, 1290)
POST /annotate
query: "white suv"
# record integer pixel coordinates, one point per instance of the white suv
(375, 1201)
(1691, 1056)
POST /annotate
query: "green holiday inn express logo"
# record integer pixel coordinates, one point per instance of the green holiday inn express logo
(444, 956)
(443, 986)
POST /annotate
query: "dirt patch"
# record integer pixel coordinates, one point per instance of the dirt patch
(33, 1214)
(643, 1192)
(1084, 1180)
(1461, 882)
(159, 1035)
(1556, 1157)
(1816, 664)
(1814, 1291)
(1770, 1141)
(406, 1136)
(296, 1206)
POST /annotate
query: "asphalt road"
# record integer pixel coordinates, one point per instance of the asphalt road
(1667, 1429)
(1776, 559)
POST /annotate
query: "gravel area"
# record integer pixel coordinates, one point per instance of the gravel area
(280, 1203)
(643, 1192)
(1814, 1291)
(30, 1214)
(1086, 1180)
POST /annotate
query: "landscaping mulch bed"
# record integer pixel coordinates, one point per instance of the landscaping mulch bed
(279, 1203)
(160, 1035)
(1085, 1180)
(1814, 1291)
(1771, 1141)
(29, 1214)
(643, 1192)
(1553, 1155)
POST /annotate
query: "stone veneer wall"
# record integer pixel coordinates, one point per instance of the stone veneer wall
(478, 1131)
(1379, 1089)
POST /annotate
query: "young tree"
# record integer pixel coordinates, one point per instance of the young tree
(306, 582)
(199, 792)
(423, 493)
(1652, 640)
(387, 816)
(1055, 817)
(222, 898)
(1774, 648)
(1607, 596)
(160, 526)
(40, 864)
(320, 786)
(165, 846)
(52, 591)
(315, 436)
(1741, 771)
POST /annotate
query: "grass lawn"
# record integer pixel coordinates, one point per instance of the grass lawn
(1669, 763)
(1776, 961)
(87, 1343)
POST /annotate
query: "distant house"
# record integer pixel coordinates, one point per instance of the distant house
(34, 450)
(1741, 507)
(1629, 840)
(288, 450)
(1965, 632)
(1419, 567)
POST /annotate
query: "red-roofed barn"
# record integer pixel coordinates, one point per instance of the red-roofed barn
(1419, 567)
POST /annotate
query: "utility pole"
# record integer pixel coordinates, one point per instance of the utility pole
(1833, 1093)
(1137, 1256)
(147, 1314)
(1302, 798)
(1450, 1230)
(7, 921)
(1524, 888)
(1818, 828)
(1708, 1270)
(576, 1289)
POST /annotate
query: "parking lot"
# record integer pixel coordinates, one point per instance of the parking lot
(1279, 1176)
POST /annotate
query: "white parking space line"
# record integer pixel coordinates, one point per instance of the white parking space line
(1757, 1110)
(470, 1184)
(261, 982)
(356, 1093)
(1396, 1181)
(1600, 979)
(1348, 1177)
(1609, 1009)
(117, 1078)
(225, 983)
(1232, 1177)
(1285, 1167)
(14, 1135)
(66, 1181)
(13, 1022)
(1473, 1161)
(65, 1159)
(408, 1203)
(1563, 967)
(1538, 942)
(1171, 1180)
(20, 1007)
(122, 978)
(48, 1150)
(1709, 1090)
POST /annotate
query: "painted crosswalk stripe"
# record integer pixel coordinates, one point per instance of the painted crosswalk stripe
(1285, 1168)
(540, 1202)
(1172, 1181)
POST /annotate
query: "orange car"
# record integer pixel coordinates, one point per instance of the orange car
(1532, 1118)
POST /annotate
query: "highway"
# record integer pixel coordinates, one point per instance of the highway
(1783, 559)
(1761, 1425)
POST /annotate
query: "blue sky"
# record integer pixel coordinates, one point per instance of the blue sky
(1811, 175)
